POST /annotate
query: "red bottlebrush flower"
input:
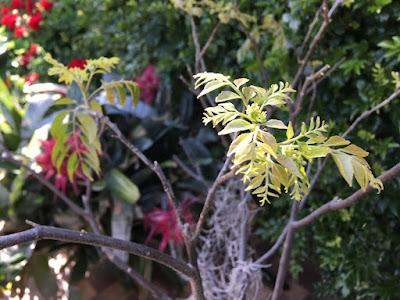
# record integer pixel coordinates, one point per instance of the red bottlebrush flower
(35, 20)
(47, 5)
(5, 10)
(77, 63)
(31, 78)
(20, 31)
(17, 4)
(9, 20)
(149, 83)
(61, 176)
(165, 222)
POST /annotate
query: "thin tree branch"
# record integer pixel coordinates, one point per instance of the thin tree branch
(297, 105)
(327, 74)
(208, 43)
(41, 232)
(365, 114)
(189, 171)
(209, 201)
(325, 23)
(310, 31)
(284, 260)
(267, 255)
(336, 204)
(199, 61)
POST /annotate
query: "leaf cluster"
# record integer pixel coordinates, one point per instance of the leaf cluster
(269, 165)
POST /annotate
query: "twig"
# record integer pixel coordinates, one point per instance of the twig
(41, 232)
(284, 260)
(310, 30)
(336, 204)
(199, 61)
(297, 105)
(189, 171)
(365, 114)
(326, 20)
(208, 43)
(327, 74)
(267, 255)
(209, 200)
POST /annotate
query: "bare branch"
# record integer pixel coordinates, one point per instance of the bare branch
(189, 171)
(327, 74)
(267, 255)
(325, 23)
(284, 260)
(365, 114)
(336, 204)
(40, 232)
(209, 200)
(208, 43)
(297, 105)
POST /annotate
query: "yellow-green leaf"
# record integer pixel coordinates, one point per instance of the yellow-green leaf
(273, 123)
(236, 126)
(134, 90)
(58, 127)
(336, 141)
(121, 94)
(355, 150)
(226, 96)
(95, 106)
(88, 126)
(110, 96)
(240, 81)
(343, 162)
(289, 131)
(211, 86)
(72, 165)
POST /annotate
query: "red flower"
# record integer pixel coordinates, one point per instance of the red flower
(25, 58)
(20, 31)
(31, 78)
(5, 10)
(61, 176)
(10, 20)
(47, 5)
(165, 222)
(17, 4)
(33, 49)
(35, 20)
(77, 63)
(148, 82)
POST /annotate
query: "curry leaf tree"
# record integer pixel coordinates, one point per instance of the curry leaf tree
(269, 164)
